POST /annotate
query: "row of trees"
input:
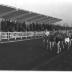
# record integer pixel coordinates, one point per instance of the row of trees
(15, 26)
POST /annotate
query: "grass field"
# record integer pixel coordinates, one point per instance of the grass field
(62, 62)
(31, 55)
(23, 55)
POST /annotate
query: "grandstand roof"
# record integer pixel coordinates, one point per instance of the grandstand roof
(19, 15)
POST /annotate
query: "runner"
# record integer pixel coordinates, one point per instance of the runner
(52, 44)
(59, 39)
(67, 42)
(45, 39)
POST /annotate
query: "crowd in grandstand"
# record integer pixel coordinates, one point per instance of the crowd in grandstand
(11, 26)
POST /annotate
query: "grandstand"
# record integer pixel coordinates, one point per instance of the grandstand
(18, 23)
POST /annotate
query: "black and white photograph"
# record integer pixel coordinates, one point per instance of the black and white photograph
(36, 35)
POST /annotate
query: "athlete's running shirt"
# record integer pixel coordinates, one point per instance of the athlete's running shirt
(67, 39)
(47, 33)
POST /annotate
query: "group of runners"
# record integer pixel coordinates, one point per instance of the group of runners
(56, 41)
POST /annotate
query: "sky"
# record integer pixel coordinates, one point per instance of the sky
(57, 8)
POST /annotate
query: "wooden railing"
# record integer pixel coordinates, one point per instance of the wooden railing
(21, 35)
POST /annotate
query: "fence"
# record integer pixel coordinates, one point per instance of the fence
(15, 35)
